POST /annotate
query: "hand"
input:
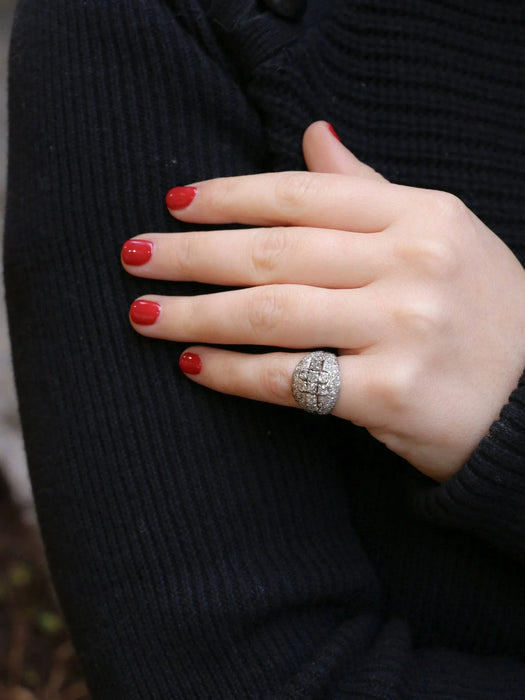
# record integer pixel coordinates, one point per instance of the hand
(423, 302)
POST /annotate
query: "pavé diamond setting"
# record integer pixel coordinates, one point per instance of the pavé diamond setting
(316, 382)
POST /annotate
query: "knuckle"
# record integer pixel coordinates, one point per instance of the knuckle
(292, 190)
(420, 316)
(446, 206)
(265, 311)
(276, 384)
(439, 257)
(434, 256)
(268, 249)
(190, 312)
(185, 256)
(392, 390)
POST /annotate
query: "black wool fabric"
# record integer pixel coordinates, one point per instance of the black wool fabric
(206, 546)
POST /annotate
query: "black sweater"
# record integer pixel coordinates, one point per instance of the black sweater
(205, 546)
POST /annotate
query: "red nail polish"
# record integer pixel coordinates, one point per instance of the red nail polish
(144, 313)
(180, 197)
(136, 252)
(190, 363)
(334, 133)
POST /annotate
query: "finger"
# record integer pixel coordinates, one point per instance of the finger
(293, 198)
(324, 153)
(259, 377)
(283, 315)
(268, 378)
(241, 258)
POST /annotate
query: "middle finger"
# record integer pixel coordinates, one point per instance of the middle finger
(240, 258)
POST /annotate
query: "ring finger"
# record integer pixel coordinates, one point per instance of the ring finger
(283, 315)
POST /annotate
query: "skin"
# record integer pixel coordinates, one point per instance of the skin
(423, 302)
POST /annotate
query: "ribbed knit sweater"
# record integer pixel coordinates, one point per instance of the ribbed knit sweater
(206, 546)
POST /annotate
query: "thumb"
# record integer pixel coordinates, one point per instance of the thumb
(324, 153)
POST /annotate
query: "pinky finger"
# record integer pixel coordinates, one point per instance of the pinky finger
(259, 377)
(268, 378)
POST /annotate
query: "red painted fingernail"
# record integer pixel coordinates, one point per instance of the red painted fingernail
(136, 252)
(180, 197)
(190, 363)
(144, 313)
(334, 133)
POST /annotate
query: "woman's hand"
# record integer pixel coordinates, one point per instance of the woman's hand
(425, 304)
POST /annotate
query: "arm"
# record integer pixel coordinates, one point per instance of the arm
(486, 496)
(188, 563)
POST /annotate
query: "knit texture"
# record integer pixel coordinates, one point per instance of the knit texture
(205, 546)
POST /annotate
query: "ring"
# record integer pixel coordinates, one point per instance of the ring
(316, 382)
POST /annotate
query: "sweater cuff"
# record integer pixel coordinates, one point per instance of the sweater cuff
(487, 496)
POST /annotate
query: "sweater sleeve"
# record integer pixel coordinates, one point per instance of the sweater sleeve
(487, 496)
(201, 546)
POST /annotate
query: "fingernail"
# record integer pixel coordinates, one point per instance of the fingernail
(136, 252)
(334, 133)
(190, 363)
(180, 197)
(144, 313)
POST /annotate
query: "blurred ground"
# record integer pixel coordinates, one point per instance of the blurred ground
(37, 660)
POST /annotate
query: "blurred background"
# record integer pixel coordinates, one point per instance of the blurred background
(12, 458)
(37, 659)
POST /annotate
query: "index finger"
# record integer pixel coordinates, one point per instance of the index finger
(294, 198)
